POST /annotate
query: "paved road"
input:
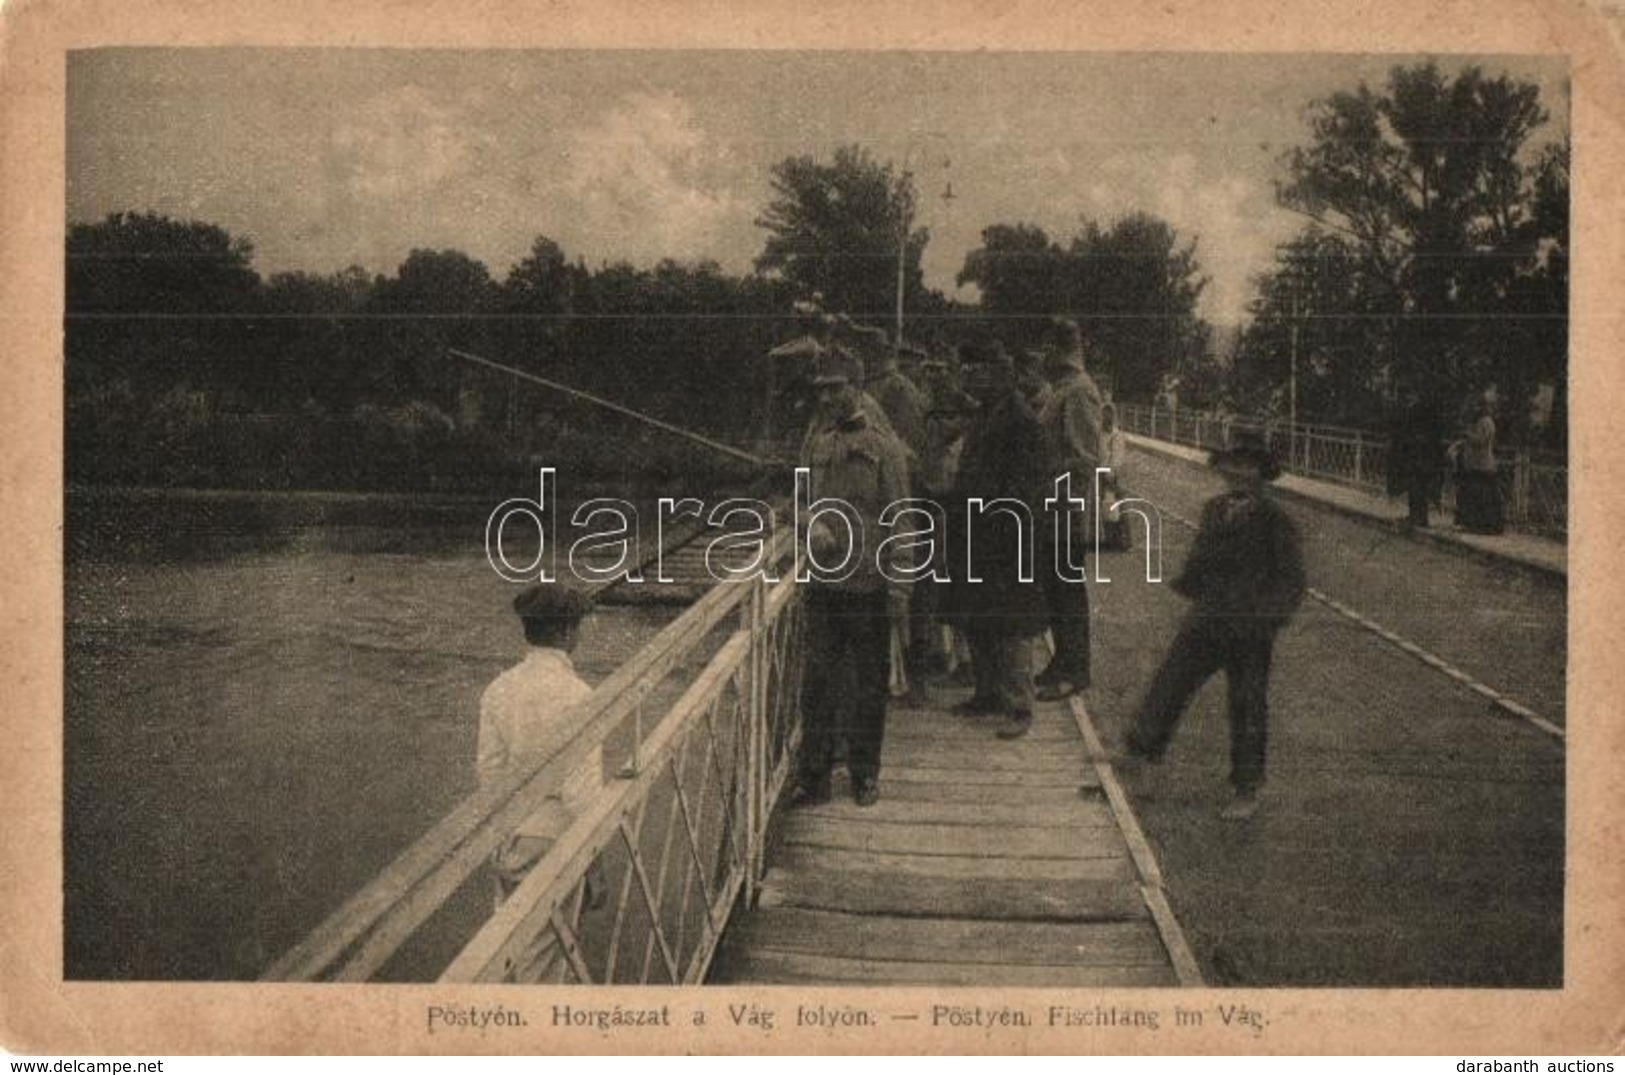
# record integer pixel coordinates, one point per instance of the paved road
(1412, 833)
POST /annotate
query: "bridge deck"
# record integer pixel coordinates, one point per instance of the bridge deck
(985, 862)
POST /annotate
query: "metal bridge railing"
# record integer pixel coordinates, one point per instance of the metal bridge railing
(640, 887)
(1535, 493)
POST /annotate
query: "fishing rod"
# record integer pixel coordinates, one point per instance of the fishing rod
(599, 401)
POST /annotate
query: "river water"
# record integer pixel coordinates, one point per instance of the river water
(267, 700)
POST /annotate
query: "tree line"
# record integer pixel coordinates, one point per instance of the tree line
(1433, 258)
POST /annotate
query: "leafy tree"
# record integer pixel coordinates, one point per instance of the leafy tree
(537, 300)
(836, 229)
(1339, 321)
(437, 299)
(1022, 277)
(156, 302)
(1427, 184)
(312, 340)
(1132, 286)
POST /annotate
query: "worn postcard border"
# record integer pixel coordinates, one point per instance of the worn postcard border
(41, 1012)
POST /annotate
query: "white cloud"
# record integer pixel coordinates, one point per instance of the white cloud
(404, 143)
(643, 179)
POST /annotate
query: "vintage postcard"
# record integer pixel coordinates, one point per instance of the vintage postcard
(773, 528)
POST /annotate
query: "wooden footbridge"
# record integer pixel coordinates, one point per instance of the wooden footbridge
(985, 862)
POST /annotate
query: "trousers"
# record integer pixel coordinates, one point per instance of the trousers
(1003, 667)
(844, 686)
(1242, 647)
(1068, 604)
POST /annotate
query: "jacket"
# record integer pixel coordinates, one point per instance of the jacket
(1072, 422)
(1003, 458)
(853, 461)
(905, 407)
(1247, 561)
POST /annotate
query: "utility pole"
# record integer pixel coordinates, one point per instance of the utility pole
(1292, 385)
(903, 223)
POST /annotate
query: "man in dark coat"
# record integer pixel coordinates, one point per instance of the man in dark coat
(995, 597)
(1245, 578)
(1416, 460)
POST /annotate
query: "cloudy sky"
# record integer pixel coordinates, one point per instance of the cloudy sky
(326, 158)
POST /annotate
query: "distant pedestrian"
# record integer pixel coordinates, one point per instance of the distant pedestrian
(1416, 460)
(1478, 485)
(848, 621)
(1071, 422)
(996, 598)
(1245, 578)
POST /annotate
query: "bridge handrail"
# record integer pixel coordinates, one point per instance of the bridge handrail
(548, 902)
(358, 938)
(1535, 490)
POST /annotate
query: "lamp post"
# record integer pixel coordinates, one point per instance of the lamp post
(905, 221)
(1292, 387)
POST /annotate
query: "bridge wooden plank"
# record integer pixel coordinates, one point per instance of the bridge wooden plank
(996, 841)
(796, 968)
(941, 727)
(907, 868)
(1063, 812)
(970, 941)
(1063, 777)
(992, 755)
(1015, 794)
(874, 892)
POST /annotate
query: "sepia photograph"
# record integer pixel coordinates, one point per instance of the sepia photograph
(717, 529)
(1064, 519)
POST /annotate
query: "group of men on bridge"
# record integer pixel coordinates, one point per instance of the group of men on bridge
(989, 436)
(995, 431)
(1003, 431)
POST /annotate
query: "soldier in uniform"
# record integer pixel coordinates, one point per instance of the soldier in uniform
(1072, 422)
(852, 461)
(903, 402)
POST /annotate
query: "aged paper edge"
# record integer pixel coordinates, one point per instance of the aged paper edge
(41, 1012)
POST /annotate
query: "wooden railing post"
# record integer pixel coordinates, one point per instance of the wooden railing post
(753, 616)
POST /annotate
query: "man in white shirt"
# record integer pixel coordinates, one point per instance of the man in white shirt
(522, 727)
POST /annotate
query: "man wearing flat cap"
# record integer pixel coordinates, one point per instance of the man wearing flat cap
(1071, 420)
(522, 725)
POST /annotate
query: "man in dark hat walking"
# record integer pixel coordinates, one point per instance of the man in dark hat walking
(1245, 578)
(862, 471)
